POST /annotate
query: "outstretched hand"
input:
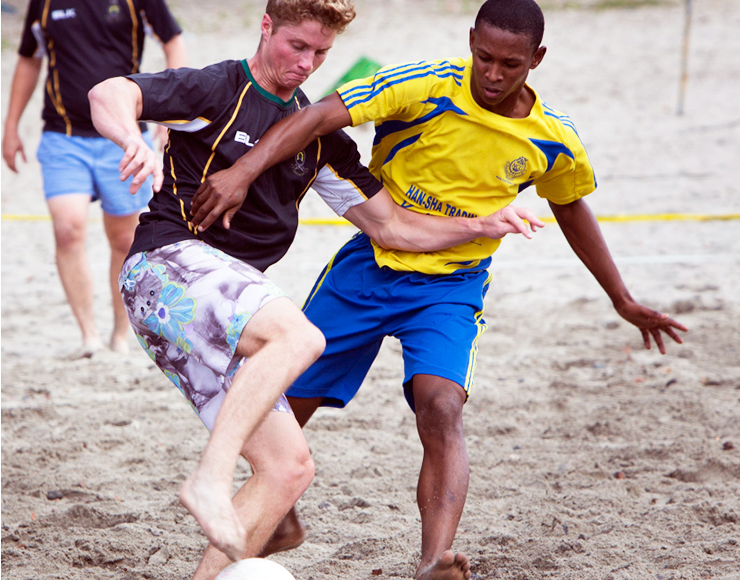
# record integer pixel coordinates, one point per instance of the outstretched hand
(140, 162)
(221, 193)
(651, 323)
(510, 220)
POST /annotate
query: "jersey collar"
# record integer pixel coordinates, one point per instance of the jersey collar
(263, 92)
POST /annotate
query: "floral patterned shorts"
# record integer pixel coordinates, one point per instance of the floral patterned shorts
(188, 304)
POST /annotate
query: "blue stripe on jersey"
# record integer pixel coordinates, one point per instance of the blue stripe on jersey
(480, 265)
(552, 149)
(400, 145)
(391, 74)
(564, 120)
(364, 93)
(441, 105)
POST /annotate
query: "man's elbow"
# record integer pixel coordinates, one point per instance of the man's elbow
(382, 236)
(97, 94)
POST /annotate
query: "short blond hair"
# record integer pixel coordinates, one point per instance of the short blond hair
(333, 14)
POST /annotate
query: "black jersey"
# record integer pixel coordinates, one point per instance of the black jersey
(88, 41)
(215, 116)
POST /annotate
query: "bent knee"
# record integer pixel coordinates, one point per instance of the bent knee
(440, 416)
(305, 341)
(69, 233)
(315, 341)
(291, 475)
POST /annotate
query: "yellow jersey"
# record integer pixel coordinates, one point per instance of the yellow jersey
(438, 152)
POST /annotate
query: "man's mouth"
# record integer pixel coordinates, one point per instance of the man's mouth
(491, 93)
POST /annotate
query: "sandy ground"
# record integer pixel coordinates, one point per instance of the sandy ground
(591, 458)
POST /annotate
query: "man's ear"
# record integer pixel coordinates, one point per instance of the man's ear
(472, 38)
(266, 27)
(539, 54)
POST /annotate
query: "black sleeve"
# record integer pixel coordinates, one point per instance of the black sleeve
(161, 20)
(29, 45)
(185, 94)
(344, 158)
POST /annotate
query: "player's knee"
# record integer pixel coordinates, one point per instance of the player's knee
(292, 474)
(301, 475)
(69, 233)
(316, 342)
(439, 416)
(121, 242)
(306, 341)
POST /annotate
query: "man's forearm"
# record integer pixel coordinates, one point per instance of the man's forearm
(584, 235)
(25, 78)
(293, 134)
(175, 53)
(396, 228)
(115, 106)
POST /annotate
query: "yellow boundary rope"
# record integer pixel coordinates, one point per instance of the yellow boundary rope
(337, 221)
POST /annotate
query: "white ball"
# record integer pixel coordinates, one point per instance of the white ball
(255, 569)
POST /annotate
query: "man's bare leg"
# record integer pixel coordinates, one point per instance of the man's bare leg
(444, 477)
(290, 532)
(280, 344)
(69, 217)
(120, 232)
(282, 470)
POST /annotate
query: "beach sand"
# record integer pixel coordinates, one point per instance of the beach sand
(591, 458)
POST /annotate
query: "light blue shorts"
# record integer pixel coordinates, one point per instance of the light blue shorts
(356, 304)
(89, 165)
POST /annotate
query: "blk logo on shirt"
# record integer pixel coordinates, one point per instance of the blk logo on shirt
(242, 137)
(63, 14)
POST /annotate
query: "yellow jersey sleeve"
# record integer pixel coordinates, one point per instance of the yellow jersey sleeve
(395, 89)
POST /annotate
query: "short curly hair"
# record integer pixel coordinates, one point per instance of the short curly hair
(333, 14)
(517, 16)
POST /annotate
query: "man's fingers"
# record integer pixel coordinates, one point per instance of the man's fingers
(529, 215)
(646, 338)
(672, 333)
(158, 178)
(207, 214)
(198, 198)
(128, 155)
(658, 340)
(203, 208)
(677, 325)
(512, 218)
(228, 216)
(11, 163)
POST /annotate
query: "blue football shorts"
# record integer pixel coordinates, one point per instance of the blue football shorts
(356, 304)
(89, 165)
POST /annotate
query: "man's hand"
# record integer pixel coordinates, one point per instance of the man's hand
(12, 145)
(510, 220)
(221, 193)
(650, 323)
(140, 161)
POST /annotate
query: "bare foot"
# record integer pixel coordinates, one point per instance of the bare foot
(289, 534)
(215, 513)
(119, 344)
(449, 566)
(88, 349)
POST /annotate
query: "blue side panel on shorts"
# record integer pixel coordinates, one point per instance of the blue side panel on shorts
(438, 320)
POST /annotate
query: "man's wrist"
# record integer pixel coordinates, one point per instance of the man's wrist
(247, 168)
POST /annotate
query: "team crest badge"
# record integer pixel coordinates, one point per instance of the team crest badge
(299, 164)
(114, 11)
(516, 168)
